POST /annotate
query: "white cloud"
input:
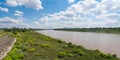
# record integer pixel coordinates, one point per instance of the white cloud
(8, 22)
(18, 13)
(10, 25)
(86, 13)
(35, 4)
(4, 9)
(70, 1)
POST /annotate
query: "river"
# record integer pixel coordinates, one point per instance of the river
(108, 43)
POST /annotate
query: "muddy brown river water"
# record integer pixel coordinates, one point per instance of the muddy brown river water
(108, 43)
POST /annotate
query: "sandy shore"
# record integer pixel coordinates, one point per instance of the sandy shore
(6, 44)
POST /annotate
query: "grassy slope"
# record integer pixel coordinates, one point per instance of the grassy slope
(2, 33)
(34, 46)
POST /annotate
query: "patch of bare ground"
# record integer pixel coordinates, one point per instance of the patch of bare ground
(6, 44)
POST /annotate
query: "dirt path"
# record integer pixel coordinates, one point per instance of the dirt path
(6, 44)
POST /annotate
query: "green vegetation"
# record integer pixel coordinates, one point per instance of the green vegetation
(100, 30)
(31, 45)
(2, 33)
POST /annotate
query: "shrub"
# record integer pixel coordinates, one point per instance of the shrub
(31, 42)
(59, 41)
(69, 54)
(65, 46)
(22, 47)
(47, 38)
(31, 49)
(36, 44)
(17, 54)
(114, 55)
(62, 54)
(97, 50)
(108, 56)
(79, 52)
(102, 55)
(38, 54)
(21, 56)
(70, 45)
(8, 58)
(46, 45)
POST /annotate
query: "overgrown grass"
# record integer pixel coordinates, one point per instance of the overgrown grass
(31, 45)
(2, 33)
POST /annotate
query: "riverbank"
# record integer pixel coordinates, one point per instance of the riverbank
(31, 45)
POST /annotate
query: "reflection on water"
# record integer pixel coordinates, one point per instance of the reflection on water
(109, 43)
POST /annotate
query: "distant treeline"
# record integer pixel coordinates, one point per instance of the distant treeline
(104, 30)
(14, 30)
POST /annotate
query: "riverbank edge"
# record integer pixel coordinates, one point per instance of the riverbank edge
(89, 31)
(60, 40)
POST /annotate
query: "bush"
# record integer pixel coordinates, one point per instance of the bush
(8, 58)
(47, 38)
(15, 54)
(59, 41)
(70, 45)
(64, 46)
(36, 44)
(97, 50)
(102, 55)
(38, 54)
(31, 42)
(62, 54)
(31, 49)
(22, 47)
(69, 55)
(79, 52)
(45, 45)
(114, 55)
(108, 56)
(21, 56)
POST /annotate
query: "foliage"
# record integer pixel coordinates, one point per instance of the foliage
(62, 54)
(31, 49)
(46, 45)
(70, 45)
(8, 58)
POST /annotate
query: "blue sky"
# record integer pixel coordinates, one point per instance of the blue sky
(59, 13)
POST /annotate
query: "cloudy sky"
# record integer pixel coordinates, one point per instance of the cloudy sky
(59, 13)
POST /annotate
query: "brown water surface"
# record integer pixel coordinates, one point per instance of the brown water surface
(109, 43)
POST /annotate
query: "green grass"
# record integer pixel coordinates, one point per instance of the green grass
(31, 45)
(2, 33)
